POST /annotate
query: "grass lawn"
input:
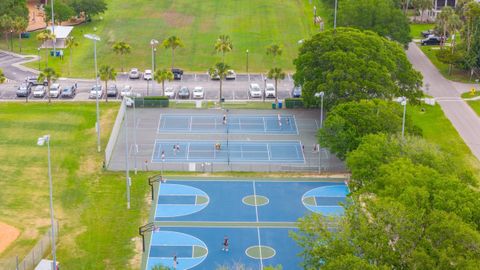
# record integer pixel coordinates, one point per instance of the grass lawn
(470, 95)
(475, 105)
(438, 129)
(417, 28)
(96, 229)
(252, 25)
(456, 74)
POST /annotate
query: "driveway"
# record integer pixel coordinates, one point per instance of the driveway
(447, 94)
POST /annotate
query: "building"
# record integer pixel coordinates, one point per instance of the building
(61, 33)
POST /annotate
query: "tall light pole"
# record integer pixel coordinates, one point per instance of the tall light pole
(320, 94)
(403, 101)
(40, 142)
(38, 49)
(335, 16)
(127, 173)
(95, 38)
(53, 32)
(154, 44)
(247, 59)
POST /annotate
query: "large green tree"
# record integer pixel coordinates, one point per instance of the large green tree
(19, 25)
(14, 8)
(63, 12)
(350, 64)
(381, 16)
(347, 123)
(88, 7)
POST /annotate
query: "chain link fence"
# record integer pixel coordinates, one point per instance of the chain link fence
(34, 256)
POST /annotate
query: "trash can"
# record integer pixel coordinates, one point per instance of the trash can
(279, 104)
(222, 99)
(25, 35)
(274, 106)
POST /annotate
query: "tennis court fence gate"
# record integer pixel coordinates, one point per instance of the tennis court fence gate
(34, 256)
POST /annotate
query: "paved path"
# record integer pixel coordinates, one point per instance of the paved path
(447, 94)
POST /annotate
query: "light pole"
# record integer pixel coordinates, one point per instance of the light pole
(264, 87)
(38, 50)
(320, 94)
(154, 44)
(11, 40)
(247, 60)
(53, 32)
(127, 173)
(40, 142)
(95, 38)
(335, 16)
(403, 102)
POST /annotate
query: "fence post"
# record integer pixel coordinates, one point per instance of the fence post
(33, 256)
(16, 262)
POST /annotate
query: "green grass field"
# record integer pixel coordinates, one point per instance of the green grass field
(252, 25)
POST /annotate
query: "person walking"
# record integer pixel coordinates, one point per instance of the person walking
(224, 119)
(225, 244)
(175, 262)
(146, 165)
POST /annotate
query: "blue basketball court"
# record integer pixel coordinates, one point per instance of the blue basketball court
(234, 123)
(194, 218)
(273, 152)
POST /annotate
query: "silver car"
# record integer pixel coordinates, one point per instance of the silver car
(170, 92)
(55, 90)
(134, 74)
(39, 91)
(95, 92)
(254, 90)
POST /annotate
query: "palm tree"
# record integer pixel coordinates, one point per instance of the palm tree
(43, 37)
(276, 74)
(223, 45)
(50, 75)
(2, 77)
(70, 43)
(220, 69)
(6, 24)
(122, 48)
(274, 50)
(20, 24)
(107, 73)
(162, 75)
(172, 42)
(442, 20)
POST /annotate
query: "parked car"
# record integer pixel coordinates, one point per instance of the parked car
(147, 75)
(112, 90)
(126, 91)
(431, 40)
(69, 92)
(231, 75)
(55, 90)
(198, 92)
(24, 90)
(427, 33)
(177, 73)
(297, 91)
(184, 92)
(170, 92)
(96, 91)
(254, 90)
(134, 73)
(269, 91)
(33, 80)
(39, 91)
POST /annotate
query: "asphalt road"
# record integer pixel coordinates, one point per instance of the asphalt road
(447, 94)
(232, 89)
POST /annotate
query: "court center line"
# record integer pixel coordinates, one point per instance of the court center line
(258, 228)
(188, 151)
(264, 125)
(268, 152)
(191, 120)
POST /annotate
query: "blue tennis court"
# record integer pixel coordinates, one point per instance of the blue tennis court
(276, 152)
(210, 210)
(235, 124)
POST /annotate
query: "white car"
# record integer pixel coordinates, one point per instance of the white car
(231, 75)
(126, 91)
(55, 90)
(39, 91)
(170, 92)
(198, 92)
(134, 73)
(270, 91)
(254, 90)
(147, 75)
(95, 92)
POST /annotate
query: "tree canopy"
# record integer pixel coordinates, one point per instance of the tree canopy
(350, 64)
(14, 8)
(89, 7)
(347, 123)
(381, 16)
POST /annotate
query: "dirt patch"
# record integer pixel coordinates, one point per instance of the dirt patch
(175, 19)
(136, 260)
(8, 234)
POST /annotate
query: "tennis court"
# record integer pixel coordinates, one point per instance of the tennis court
(234, 123)
(228, 151)
(194, 217)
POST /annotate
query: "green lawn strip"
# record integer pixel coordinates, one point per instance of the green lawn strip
(96, 229)
(438, 129)
(252, 25)
(456, 74)
(475, 105)
(417, 28)
(469, 94)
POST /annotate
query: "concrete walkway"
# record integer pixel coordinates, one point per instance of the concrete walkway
(447, 94)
